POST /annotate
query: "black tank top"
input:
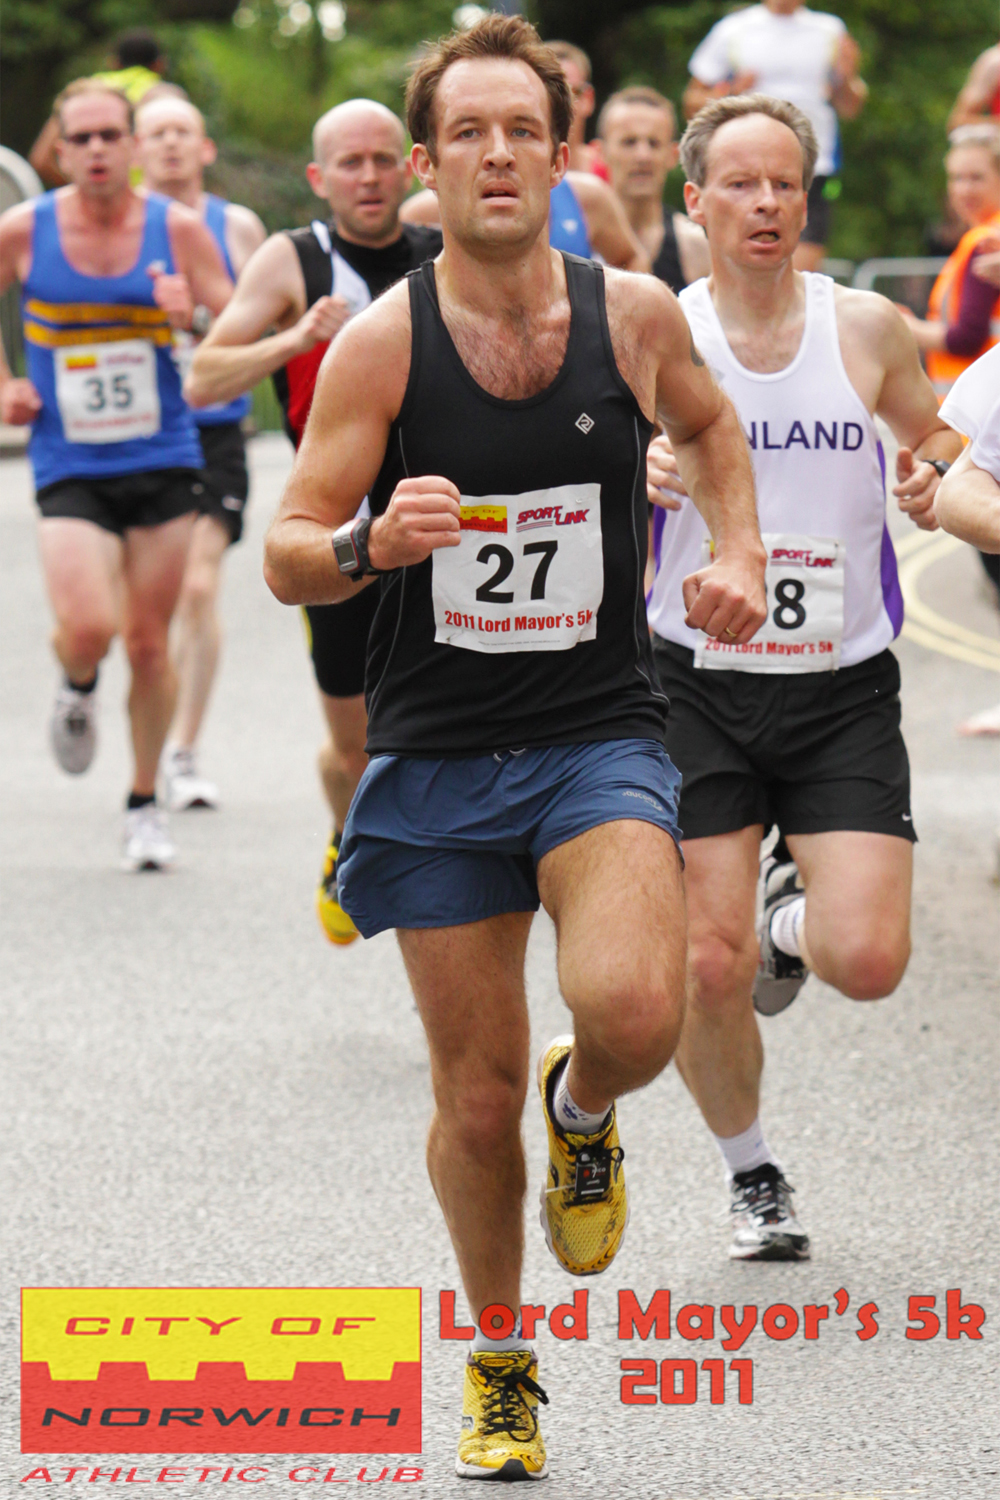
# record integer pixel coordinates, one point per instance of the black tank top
(533, 631)
(667, 265)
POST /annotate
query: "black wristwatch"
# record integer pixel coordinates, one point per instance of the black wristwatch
(941, 464)
(350, 548)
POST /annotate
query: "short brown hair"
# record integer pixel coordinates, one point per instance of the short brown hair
(637, 94)
(570, 52)
(81, 86)
(495, 36)
(698, 137)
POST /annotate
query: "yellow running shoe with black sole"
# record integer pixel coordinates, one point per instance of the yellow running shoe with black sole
(500, 1434)
(332, 917)
(584, 1202)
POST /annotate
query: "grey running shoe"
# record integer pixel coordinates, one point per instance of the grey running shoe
(148, 845)
(764, 1222)
(73, 729)
(184, 787)
(779, 976)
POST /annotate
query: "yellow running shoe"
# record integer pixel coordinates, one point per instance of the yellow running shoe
(333, 918)
(500, 1434)
(584, 1202)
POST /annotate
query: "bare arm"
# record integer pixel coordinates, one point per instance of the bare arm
(710, 451)
(698, 94)
(968, 505)
(848, 91)
(885, 368)
(973, 102)
(270, 293)
(42, 155)
(360, 389)
(197, 258)
(20, 403)
(610, 231)
(244, 234)
(421, 208)
(692, 248)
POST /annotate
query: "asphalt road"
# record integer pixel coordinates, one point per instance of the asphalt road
(199, 1091)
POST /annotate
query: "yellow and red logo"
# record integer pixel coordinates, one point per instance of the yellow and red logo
(484, 518)
(81, 362)
(220, 1370)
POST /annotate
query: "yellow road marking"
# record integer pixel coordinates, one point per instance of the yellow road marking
(924, 625)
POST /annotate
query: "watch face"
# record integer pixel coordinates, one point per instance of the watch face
(343, 551)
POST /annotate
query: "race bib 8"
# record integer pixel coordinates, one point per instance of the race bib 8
(108, 393)
(805, 611)
(528, 574)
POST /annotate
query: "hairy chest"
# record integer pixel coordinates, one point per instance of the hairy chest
(513, 356)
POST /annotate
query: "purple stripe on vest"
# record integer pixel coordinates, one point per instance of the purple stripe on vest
(659, 520)
(892, 595)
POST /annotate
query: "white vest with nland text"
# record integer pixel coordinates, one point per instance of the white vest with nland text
(819, 469)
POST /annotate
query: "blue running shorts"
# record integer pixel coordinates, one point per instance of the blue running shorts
(438, 843)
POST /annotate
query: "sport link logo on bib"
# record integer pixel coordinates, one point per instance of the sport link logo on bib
(220, 1370)
(537, 589)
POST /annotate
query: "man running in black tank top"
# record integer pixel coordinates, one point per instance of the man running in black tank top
(496, 410)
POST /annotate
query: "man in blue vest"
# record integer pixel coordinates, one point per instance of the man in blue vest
(173, 150)
(107, 274)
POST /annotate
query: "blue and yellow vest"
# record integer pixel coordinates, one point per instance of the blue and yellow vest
(99, 354)
(229, 411)
(567, 225)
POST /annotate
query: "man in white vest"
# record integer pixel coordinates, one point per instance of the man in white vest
(799, 728)
(306, 284)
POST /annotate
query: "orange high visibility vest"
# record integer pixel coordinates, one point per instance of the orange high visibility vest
(945, 299)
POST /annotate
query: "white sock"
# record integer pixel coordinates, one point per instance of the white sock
(483, 1344)
(569, 1115)
(786, 926)
(743, 1152)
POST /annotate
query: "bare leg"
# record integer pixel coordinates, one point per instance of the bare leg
(342, 759)
(155, 557)
(720, 1056)
(469, 986)
(198, 631)
(616, 896)
(857, 927)
(82, 567)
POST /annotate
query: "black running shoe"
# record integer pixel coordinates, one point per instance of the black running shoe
(764, 1222)
(779, 976)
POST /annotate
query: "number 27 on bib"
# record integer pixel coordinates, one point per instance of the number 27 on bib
(527, 575)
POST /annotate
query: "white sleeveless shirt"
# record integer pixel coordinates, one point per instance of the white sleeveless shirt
(820, 473)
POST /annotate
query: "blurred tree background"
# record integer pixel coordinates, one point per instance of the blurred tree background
(262, 72)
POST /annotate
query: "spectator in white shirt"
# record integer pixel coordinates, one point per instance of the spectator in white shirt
(806, 56)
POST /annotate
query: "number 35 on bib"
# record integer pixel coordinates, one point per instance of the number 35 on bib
(527, 575)
(804, 628)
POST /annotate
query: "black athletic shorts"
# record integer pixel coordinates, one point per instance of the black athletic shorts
(819, 204)
(125, 500)
(812, 752)
(338, 642)
(227, 483)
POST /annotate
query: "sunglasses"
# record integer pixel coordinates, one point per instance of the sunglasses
(84, 137)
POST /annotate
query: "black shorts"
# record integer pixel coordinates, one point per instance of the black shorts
(124, 500)
(338, 642)
(817, 230)
(227, 483)
(812, 752)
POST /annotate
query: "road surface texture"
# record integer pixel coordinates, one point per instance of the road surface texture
(200, 1091)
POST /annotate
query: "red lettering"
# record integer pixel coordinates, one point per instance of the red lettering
(166, 1476)
(739, 1330)
(634, 1323)
(293, 1474)
(789, 1321)
(705, 1326)
(531, 1313)
(446, 1303)
(278, 1327)
(71, 1327)
(717, 1380)
(38, 1474)
(165, 1324)
(256, 1469)
(812, 1316)
(869, 1327)
(497, 1321)
(744, 1370)
(407, 1476)
(643, 1373)
(918, 1311)
(570, 1321)
(967, 1319)
(342, 1323)
(215, 1328)
(688, 1393)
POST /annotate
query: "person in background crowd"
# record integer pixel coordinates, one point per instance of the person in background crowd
(138, 66)
(968, 501)
(173, 150)
(979, 96)
(963, 305)
(805, 56)
(636, 130)
(584, 155)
